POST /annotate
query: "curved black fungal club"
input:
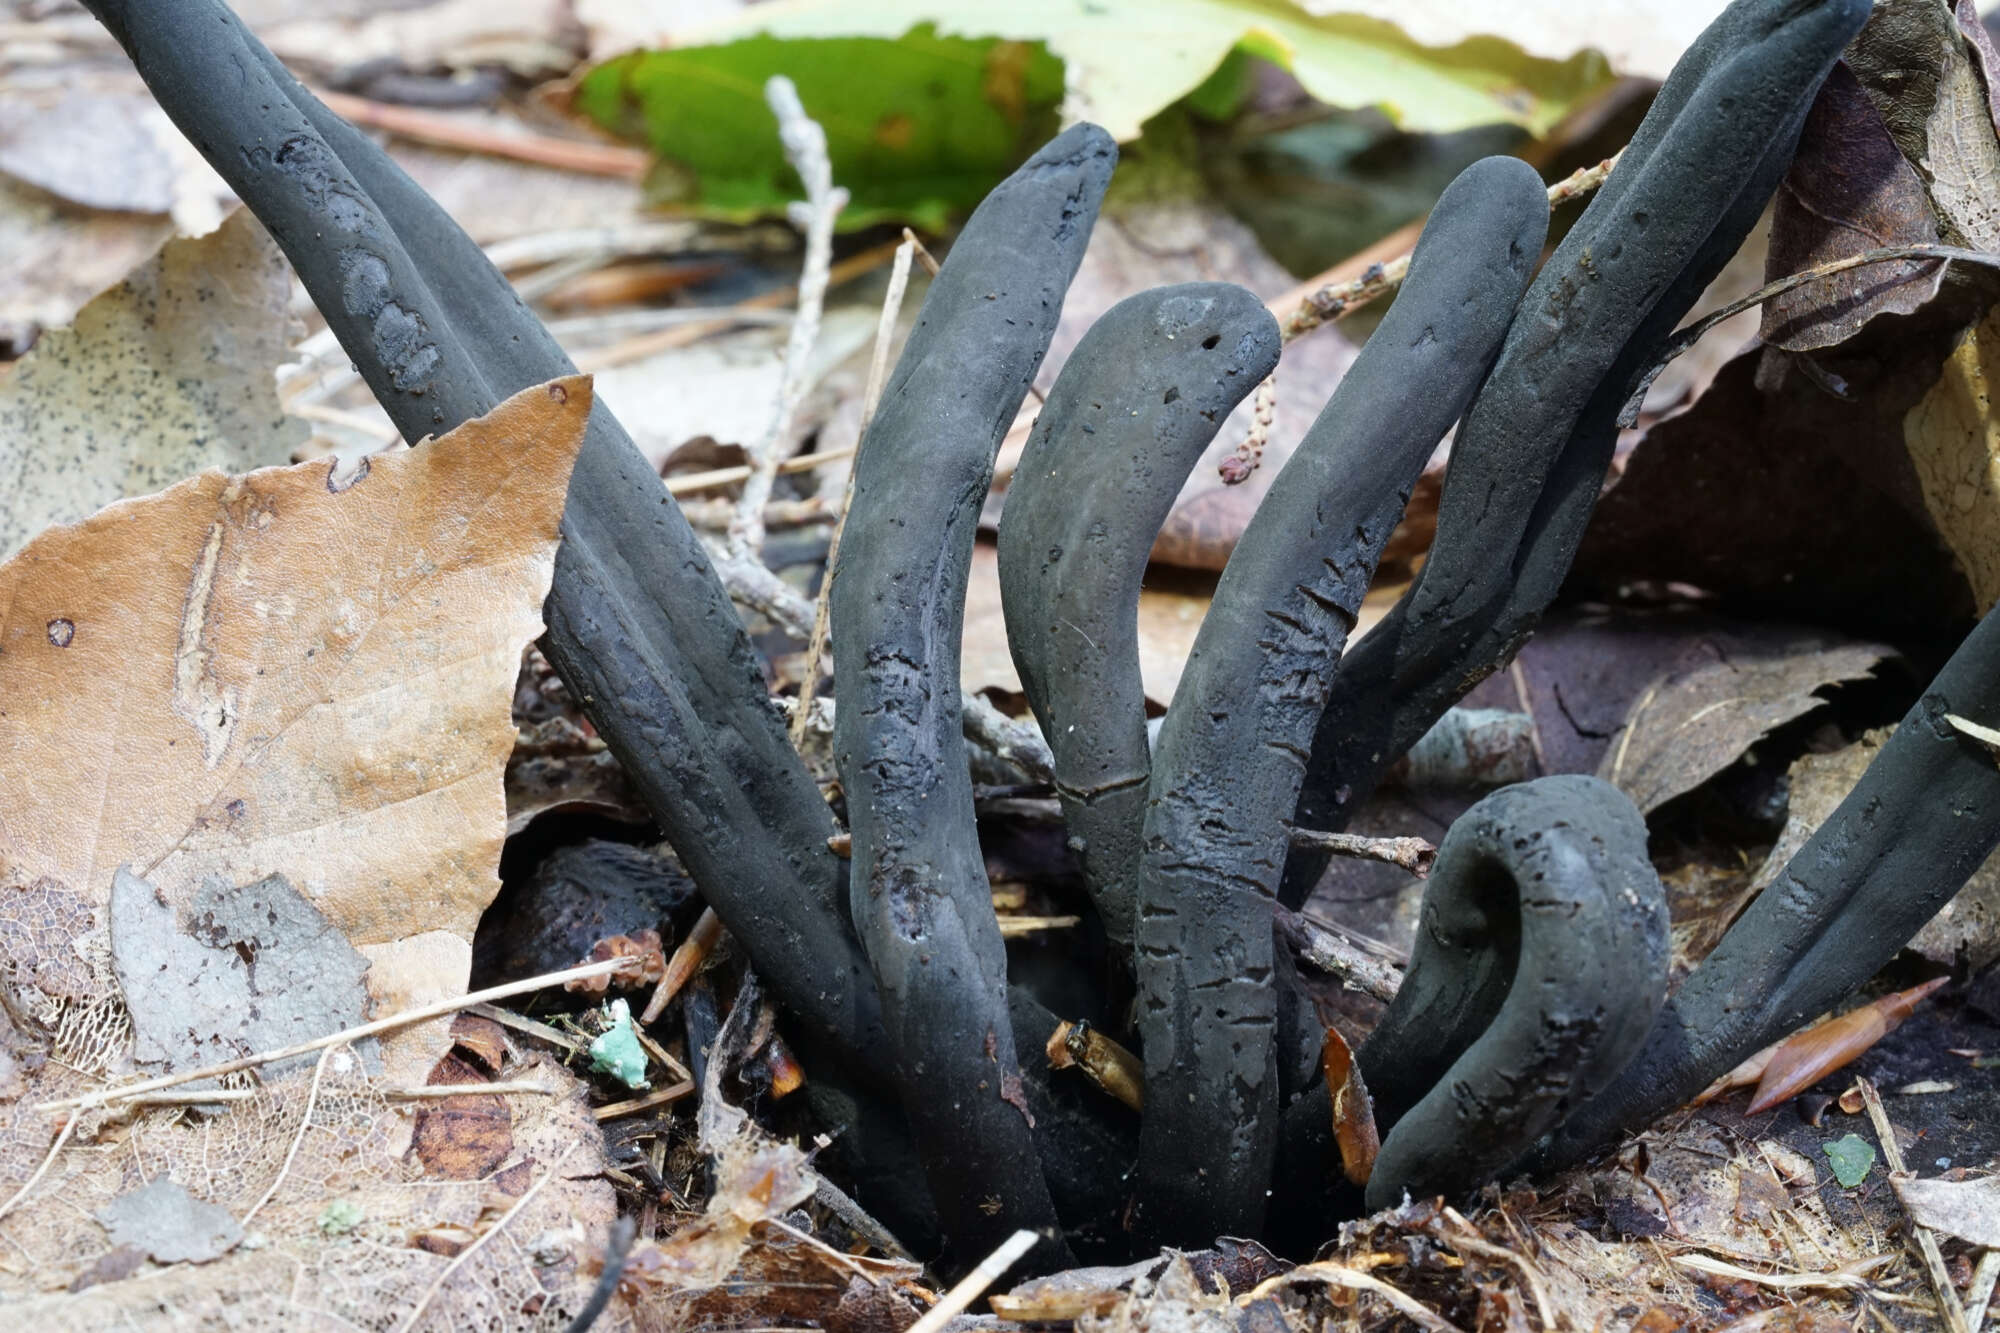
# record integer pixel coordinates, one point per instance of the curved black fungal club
(646, 637)
(639, 626)
(919, 894)
(1232, 752)
(1136, 403)
(1924, 816)
(1530, 459)
(1540, 960)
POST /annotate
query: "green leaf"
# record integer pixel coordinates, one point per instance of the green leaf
(918, 128)
(1851, 1158)
(1126, 60)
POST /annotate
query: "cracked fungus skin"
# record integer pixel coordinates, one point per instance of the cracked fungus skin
(1136, 403)
(1543, 940)
(919, 895)
(1233, 750)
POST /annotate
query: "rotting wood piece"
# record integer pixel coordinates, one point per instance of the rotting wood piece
(1136, 403)
(919, 895)
(1231, 754)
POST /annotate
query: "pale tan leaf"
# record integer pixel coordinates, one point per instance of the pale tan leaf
(160, 376)
(1954, 441)
(270, 675)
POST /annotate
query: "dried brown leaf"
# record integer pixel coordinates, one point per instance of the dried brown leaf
(1965, 931)
(1953, 437)
(1849, 189)
(1688, 727)
(1354, 1128)
(269, 674)
(1805, 1058)
(463, 1137)
(1967, 1209)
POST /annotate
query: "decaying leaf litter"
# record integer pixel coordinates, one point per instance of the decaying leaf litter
(392, 1207)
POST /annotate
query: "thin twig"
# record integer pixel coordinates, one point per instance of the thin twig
(1020, 927)
(1019, 743)
(1338, 957)
(924, 257)
(690, 482)
(463, 1255)
(1249, 454)
(1340, 1275)
(1331, 301)
(651, 344)
(878, 373)
(974, 1284)
(716, 515)
(55, 1149)
(569, 1041)
(1335, 301)
(594, 159)
(1412, 854)
(1892, 1154)
(1979, 1296)
(407, 1018)
(431, 1092)
(292, 1153)
(657, 1097)
(742, 566)
(1688, 336)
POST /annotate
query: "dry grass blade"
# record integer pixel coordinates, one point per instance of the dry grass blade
(1927, 1245)
(595, 159)
(1353, 1279)
(1838, 1280)
(878, 374)
(969, 1289)
(657, 1097)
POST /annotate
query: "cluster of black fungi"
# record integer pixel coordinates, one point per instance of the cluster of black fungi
(1532, 1028)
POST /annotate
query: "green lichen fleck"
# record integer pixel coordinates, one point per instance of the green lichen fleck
(339, 1217)
(618, 1053)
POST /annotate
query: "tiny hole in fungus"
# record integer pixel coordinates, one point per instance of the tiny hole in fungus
(1208, 343)
(1170, 395)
